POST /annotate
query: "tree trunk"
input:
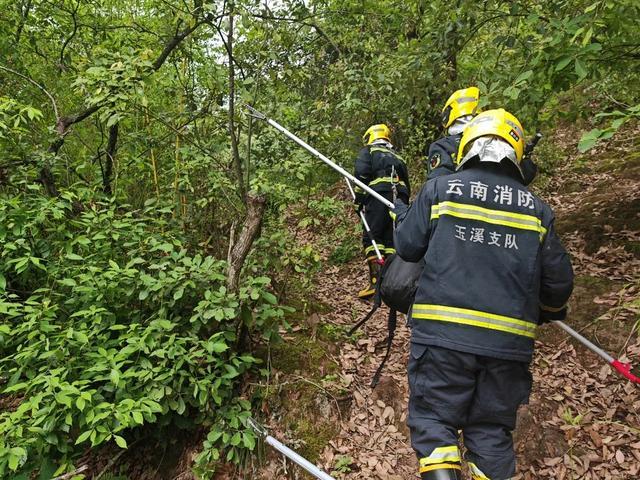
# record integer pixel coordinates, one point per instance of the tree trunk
(112, 146)
(238, 253)
(250, 231)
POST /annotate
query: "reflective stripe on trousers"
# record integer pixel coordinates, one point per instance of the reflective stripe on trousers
(436, 460)
(476, 473)
(371, 248)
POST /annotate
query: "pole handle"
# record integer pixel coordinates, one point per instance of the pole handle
(624, 369)
(298, 459)
(286, 451)
(353, 194)
(587, 343)
(531, 144)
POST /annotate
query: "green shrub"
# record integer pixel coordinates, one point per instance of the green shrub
(109, 323)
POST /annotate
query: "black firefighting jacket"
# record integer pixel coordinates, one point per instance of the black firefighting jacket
(441, 156)
(374, 166)
(493, 263)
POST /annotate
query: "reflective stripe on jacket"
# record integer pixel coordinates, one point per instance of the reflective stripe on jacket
(492, 262)
(374, 166)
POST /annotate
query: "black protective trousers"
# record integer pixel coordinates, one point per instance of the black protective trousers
(452, 391)
(381, 225)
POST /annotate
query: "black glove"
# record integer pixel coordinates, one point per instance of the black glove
(547, 316)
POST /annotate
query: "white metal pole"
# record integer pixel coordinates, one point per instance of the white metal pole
(584, 341)
(364, 222)
(297, 459)
(287, 452)
(313, 151)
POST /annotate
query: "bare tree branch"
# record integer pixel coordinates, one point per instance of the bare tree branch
(24, 14)
(44, 90)
(226, 47)
(63, 124)
(73, 34)
(303, 21)
(173, 43)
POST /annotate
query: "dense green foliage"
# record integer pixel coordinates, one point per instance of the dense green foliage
(121, 327)
(122, 182)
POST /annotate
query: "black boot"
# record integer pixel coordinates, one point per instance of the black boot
(450, 472)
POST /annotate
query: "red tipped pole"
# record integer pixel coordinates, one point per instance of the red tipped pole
(625, 369)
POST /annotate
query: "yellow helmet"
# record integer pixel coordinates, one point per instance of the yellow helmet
(498, 123)
(460, 103)
(376, 132)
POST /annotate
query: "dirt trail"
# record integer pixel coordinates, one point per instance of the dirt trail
(374, 434)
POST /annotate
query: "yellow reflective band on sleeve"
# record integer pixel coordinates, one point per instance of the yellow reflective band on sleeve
(441, 454)
(476, 473)
(371, 248)
(546, 308)
(389, 250)
(474, 318)
(487, 215)
(440, 466)
(387, 180)
(357, 189)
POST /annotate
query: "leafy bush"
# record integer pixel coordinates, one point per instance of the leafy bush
(589, 139)
(109, 323)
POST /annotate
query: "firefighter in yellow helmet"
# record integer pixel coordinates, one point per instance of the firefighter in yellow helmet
(380, 167)
(442, 155)
(458, 111)
(494, 270)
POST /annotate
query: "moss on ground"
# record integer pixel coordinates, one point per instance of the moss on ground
(315, 435)
(297, 395)
(303, 354)
(583, 309)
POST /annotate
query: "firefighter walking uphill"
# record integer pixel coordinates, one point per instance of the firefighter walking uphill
(459, 110)
(382, 169)
(494, 270)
